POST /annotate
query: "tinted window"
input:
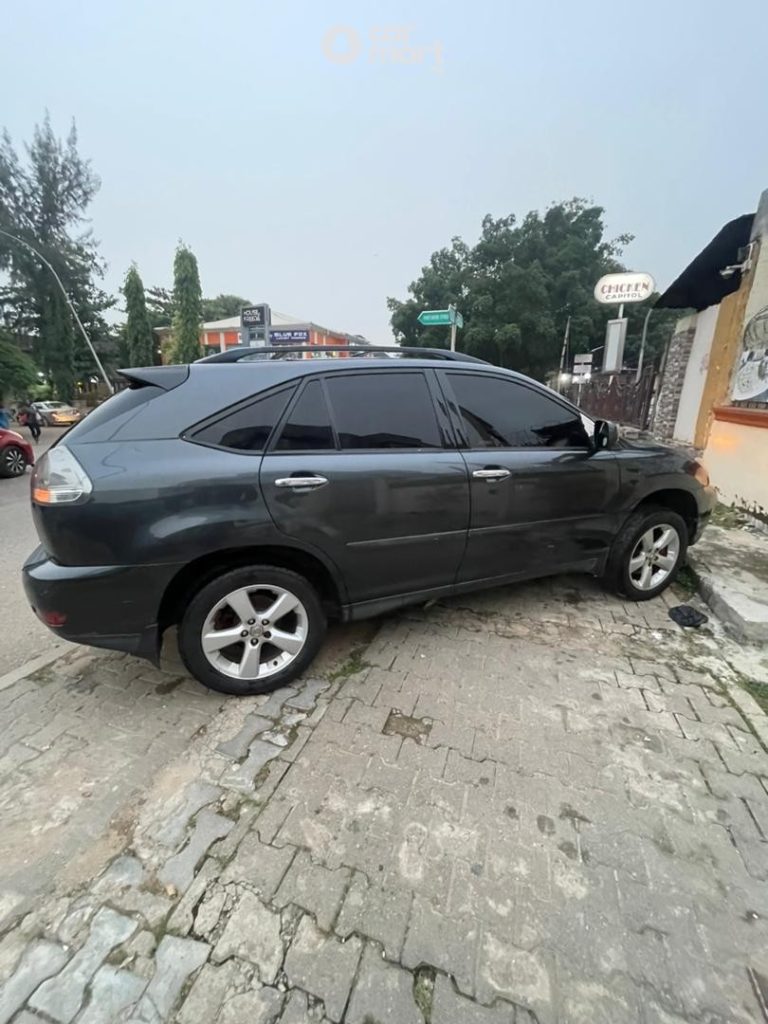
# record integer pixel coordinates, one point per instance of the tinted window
(383, 410)
(249, 428)
(308, 426)
(502, 414)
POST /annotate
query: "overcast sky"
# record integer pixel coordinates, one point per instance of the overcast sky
(323, 186)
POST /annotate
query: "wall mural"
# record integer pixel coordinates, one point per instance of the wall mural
(750, 383)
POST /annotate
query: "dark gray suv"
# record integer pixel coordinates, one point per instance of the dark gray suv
(248, 497)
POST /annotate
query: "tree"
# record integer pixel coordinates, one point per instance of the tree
(138, 332)
(517, 286)
(223, 306)
(44, 203)
(159, 307)
(187, 306)
(18, 374)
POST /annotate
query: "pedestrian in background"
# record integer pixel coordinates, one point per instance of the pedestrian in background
(33, 422)
(5, 417)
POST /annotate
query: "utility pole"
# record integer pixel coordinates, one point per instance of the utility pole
(73, 311)
(563, 352)
(642, 345)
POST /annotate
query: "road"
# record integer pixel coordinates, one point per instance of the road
(22, 637)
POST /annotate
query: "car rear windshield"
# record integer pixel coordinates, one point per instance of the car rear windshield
(123, 402)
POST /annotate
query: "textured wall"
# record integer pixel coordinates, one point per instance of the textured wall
(668, 402)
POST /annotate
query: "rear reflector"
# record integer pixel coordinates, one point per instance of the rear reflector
(59, 479)
(53, 619)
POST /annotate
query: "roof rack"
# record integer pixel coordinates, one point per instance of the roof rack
(244, 352)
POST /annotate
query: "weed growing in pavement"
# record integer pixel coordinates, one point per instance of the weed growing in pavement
(355, 663)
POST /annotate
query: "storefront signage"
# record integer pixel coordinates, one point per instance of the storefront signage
(289, 337)
(630, 287)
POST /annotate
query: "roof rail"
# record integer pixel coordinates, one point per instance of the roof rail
(244, 352)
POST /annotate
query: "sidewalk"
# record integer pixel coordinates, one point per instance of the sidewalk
(732, 570)
(534, 804)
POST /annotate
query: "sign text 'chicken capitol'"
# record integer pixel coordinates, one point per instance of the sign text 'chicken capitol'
(627, 287)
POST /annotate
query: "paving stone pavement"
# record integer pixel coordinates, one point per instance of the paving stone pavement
(531, 805)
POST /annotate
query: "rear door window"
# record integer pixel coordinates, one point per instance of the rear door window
(383, 410)
(248, 428)
(308, 424)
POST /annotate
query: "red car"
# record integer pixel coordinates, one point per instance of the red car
(15, 453)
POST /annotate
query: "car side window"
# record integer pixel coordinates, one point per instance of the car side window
(248, 428)
(383, 410)
(308, 426)
(504, 414)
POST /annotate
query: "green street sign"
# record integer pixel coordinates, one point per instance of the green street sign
(459, 319)
(435, 317)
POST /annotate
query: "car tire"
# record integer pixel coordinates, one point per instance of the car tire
(226, 669)
(641, 565)
(13, 461)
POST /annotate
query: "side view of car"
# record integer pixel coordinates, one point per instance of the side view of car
(57, 414)
(15, 453)
(250, 497)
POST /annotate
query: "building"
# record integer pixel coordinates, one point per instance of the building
(220, 335)
(713, 393)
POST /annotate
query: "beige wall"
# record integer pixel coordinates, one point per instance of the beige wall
(737, 459)
(695, 376)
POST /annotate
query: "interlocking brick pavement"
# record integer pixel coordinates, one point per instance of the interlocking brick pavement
(539, 804)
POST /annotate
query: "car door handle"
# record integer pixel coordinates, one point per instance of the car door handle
(491, 474)
(301, 483)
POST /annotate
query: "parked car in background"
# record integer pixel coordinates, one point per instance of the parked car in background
(57, 414)
(15, 453)
(249, 501)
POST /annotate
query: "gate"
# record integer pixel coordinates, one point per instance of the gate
(616, 396)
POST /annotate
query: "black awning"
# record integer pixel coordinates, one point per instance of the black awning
(700, 284)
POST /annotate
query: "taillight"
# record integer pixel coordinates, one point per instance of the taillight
(698, 472)
(59, 479)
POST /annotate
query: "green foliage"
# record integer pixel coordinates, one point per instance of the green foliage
(517, 286)
(223, 307)
(187, 306)
(43, 202)
(138, 331)
(159, 307)
(18, 374)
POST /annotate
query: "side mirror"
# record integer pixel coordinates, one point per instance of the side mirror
(606, 435)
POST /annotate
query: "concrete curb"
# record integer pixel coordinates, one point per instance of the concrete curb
(732, 607)
(12, 677)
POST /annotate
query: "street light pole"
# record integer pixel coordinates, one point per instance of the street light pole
(73, 311)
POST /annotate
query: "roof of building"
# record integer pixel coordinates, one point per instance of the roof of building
(232, 323)
(701, 284)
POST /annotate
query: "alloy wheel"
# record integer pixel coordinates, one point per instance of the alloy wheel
(654, 557)
(255, 631)
(15, 461)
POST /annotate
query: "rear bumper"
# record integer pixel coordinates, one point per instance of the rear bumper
(706, 502)
(109, 606)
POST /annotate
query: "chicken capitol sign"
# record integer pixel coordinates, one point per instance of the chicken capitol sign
(618, 288)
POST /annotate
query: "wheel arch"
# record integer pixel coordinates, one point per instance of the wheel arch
(676, 500)
(193, 576)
